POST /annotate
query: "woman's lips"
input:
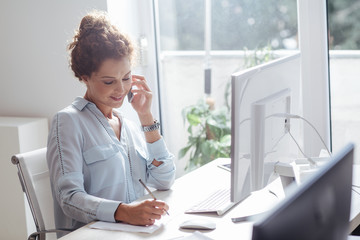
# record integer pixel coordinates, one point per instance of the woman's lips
(116, 98)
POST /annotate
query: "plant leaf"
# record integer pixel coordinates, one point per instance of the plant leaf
(226, 140)
(193, 119)
(183, 151)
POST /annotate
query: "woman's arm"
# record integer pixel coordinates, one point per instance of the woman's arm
(142, 104)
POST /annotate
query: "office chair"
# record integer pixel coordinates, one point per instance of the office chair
(35, 181)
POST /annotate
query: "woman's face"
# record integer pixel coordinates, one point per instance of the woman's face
(108, 87)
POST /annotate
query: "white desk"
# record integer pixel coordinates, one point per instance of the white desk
(192, 187)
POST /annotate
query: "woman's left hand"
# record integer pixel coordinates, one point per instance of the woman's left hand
(142, 95)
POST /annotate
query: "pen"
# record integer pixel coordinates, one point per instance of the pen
(152, 195)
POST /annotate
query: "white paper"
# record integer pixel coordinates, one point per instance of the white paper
(125, 227)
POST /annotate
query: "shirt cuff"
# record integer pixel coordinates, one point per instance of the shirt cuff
(158, 150)
(106, 210)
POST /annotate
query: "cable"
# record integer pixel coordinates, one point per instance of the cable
(304, 119)
(355, 191)
(273, 193)
(312, 162)
(322, 140)
(244, 120)
(287, 115)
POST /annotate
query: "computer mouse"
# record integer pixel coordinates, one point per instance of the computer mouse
(197, 223)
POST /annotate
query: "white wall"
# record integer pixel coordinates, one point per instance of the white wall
(17, 135)
(36, 80)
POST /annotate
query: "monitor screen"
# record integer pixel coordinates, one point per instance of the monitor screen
(317, 209)
(248, 87)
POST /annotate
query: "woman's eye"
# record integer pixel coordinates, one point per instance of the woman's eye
(108, 82)
(125, 79)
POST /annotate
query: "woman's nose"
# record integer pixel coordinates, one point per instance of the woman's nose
(119, 86)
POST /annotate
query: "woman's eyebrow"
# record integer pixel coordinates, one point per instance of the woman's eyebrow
(108, 77)
(115, 77)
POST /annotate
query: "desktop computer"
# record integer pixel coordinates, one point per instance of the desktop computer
(317, 209)
(257, 138)
(257, 94)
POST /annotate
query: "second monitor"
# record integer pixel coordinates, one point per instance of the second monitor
(260, 85)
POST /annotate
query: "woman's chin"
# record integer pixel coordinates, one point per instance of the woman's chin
(116, 104)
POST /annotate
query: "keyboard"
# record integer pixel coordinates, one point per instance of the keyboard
(218, 202)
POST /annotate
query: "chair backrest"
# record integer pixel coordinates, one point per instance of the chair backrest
(34, 177)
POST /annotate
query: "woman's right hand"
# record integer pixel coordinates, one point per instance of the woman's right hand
(141, 213)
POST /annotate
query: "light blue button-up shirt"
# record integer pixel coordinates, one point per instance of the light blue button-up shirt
(92, 172)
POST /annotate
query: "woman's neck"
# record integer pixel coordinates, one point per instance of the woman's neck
(107, 111)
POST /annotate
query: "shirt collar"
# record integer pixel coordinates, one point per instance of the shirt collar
(80, 103)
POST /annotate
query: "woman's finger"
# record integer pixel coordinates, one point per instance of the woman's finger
(139, 80)
(141, 77)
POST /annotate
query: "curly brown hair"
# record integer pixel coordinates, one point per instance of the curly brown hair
(96, 41)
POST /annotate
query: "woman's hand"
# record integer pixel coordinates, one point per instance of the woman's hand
(142, 213)
(142, 95)
(142, 104)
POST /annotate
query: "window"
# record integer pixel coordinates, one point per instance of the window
(344, 45)
(240, 33)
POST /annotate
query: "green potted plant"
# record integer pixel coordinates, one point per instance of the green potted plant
(209, 134)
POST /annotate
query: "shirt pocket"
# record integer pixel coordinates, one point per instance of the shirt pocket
(104, 168)
(100, 153)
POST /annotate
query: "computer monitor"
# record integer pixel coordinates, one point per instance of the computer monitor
(248, 87)
(317, 209)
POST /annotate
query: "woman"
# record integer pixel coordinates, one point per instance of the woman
(95, 155)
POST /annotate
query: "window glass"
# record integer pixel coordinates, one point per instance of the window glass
(344, 45)
(235, 24)
(181, 24)
(254, 24)
(244, 33)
